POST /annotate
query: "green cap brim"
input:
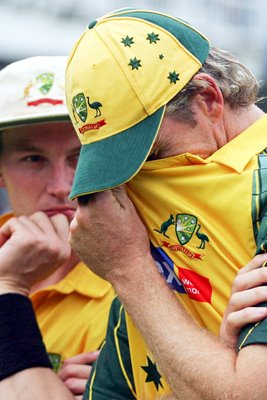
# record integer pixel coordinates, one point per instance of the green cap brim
(113, 161)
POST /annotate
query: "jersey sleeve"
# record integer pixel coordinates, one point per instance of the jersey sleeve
(111, 376)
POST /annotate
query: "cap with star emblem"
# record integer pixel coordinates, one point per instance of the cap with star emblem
(122, 72)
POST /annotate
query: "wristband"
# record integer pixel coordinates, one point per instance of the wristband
(21, 344)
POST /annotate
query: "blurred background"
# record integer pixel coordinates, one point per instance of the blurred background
(51, 27)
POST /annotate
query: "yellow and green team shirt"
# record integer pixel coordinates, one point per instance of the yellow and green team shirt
(206, 219)
(73, 313)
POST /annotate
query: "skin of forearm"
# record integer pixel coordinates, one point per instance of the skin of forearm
(189, 357)
(34, 383)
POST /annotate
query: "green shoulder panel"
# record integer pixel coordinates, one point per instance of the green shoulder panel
(259, 203)
(257, 333)
(111, 376)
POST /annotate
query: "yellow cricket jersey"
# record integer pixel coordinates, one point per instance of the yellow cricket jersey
(73, 313)
(206, 219)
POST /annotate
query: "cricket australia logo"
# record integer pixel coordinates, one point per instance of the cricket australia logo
(43, 90)
(80, 104)
(186, 227)
(79, 107)
(45, 82)
(55, 360)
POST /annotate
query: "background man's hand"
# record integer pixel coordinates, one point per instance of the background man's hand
(31, 249)
(76, 370)
(247, 291)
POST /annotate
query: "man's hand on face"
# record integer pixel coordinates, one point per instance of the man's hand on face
(108, 234)
(31, 249)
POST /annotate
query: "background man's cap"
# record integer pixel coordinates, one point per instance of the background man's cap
(122, 72)
(32, 90)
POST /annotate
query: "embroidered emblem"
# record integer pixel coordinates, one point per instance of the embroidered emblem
(127, 41)
(178, 247)
(173, 77)
(45, 82)
(202, 237)
(185, 226)
(79, 107)
(95, 106)
(134, 63)
(55, 360)
(92, 127)
(42, 84)
(165, 225)
(152, 37)
(153, 374)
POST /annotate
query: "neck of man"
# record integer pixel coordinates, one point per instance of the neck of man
(237, 121)
(58, 275)
(234, 122)
(206, 136)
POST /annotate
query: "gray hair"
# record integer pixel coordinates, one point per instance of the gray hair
(238, 85)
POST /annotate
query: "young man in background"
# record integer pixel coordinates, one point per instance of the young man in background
(38, 156)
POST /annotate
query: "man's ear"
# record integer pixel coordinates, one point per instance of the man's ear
(211, 99)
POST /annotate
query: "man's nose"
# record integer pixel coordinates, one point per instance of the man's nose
(60, 181)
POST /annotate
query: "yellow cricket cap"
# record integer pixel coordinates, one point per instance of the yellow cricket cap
(122, 71)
